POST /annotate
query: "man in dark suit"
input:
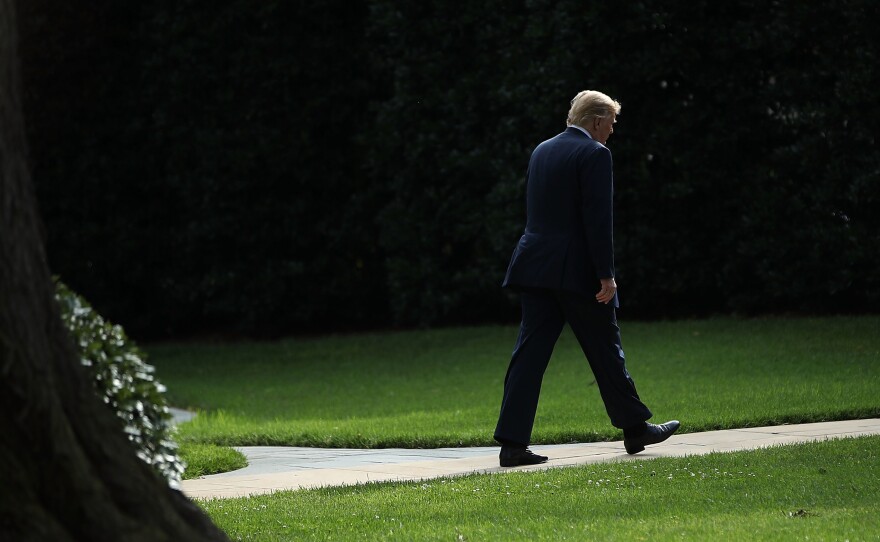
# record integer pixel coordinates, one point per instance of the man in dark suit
(563, 269)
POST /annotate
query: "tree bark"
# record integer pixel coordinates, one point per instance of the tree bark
(67, 471)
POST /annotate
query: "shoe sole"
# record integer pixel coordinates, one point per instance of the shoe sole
(633, 451)
(514, 463)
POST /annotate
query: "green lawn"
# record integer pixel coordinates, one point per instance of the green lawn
(443, 387)
(203, 459)
(820, 491)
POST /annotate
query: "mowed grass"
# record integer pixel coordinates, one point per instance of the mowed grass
(204, 459)
(443, 387)
(818, 491)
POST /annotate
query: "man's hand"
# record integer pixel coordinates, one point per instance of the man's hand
(609, 288)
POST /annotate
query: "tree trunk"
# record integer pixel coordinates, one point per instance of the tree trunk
(67, 471)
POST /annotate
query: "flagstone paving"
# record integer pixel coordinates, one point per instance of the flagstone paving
(279, 468)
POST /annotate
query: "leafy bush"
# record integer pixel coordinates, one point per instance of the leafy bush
(124, 381)
(318, 166)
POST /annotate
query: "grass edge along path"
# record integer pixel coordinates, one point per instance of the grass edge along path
(827, 490)
(436, 388)
(205, 459)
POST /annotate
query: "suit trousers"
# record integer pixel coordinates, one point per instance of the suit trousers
(544, 314)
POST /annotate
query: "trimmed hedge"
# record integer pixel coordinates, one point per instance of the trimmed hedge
(276, 167)
(125, 382)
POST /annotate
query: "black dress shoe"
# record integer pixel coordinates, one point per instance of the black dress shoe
(514, 456)
(652, 435)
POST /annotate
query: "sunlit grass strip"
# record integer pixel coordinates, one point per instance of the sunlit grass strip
(204, 459)
(825, 491)
(443, 387)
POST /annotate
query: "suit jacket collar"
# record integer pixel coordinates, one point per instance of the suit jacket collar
(578, 131)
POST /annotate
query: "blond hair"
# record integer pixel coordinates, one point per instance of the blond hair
(589, 104)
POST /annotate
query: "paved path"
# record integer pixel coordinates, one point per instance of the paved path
(179, 415)
(280, 468)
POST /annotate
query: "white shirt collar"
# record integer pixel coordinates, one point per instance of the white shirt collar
(581, 129)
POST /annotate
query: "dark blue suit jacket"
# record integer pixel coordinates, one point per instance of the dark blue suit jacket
(568, 242)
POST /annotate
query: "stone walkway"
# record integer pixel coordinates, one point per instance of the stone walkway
(282, 468)
(179, 415)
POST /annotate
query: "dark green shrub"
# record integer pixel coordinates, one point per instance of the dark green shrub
(275, 167)
(124, 381)
(212, 145)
